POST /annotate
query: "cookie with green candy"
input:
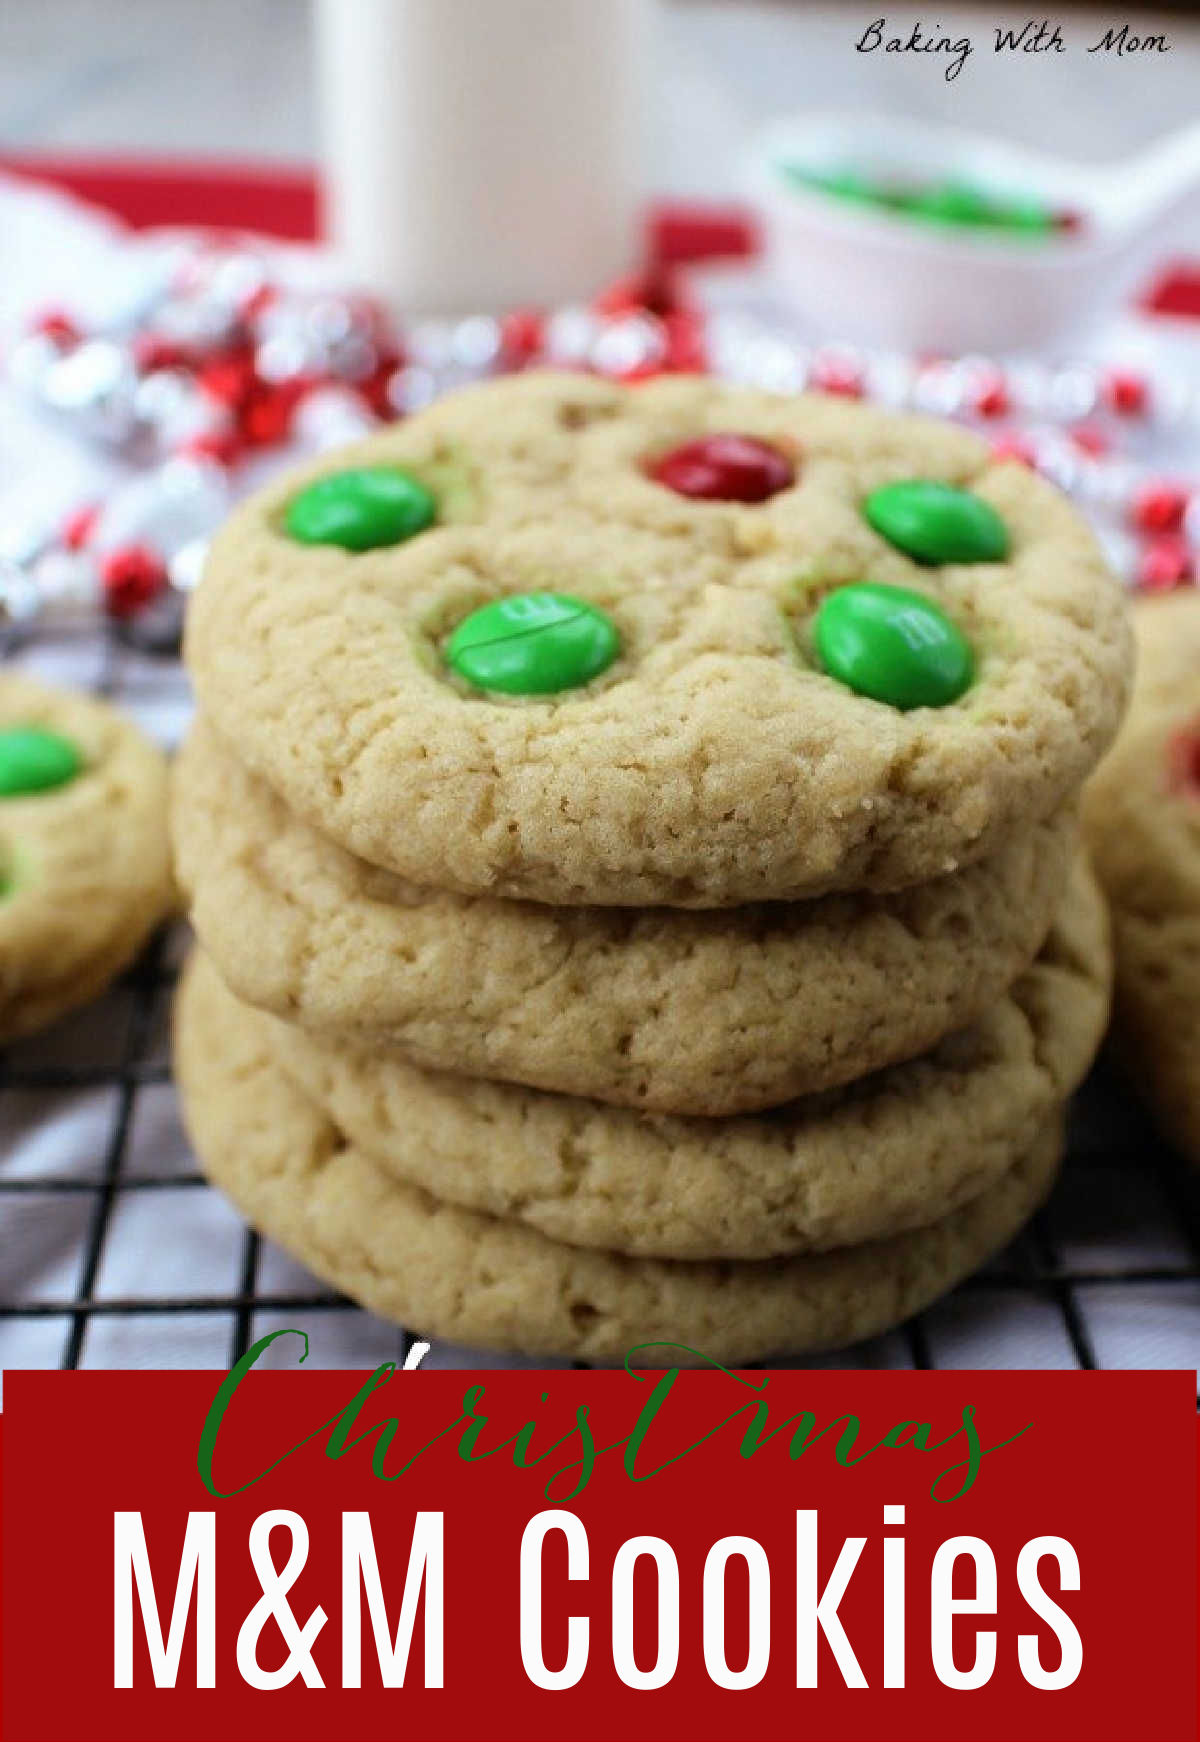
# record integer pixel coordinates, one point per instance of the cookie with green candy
(703, 698)
(33, 759)
(84, 864)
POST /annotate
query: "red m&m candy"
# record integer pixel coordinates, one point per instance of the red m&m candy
(724, 468)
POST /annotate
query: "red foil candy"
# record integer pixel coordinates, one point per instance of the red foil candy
(229, 378)
(131, 576)
(374, 390)
(990, 397)
(1159, 508)
(1014, 446)
(1090, 439)
(832, 376)
(1165, 565)
(56, 324)
(265, 418)
(257, 301)
(522, 336)
(1126, 393)
(224, 445)
(152, 351)
(77, 528)
(724, 468)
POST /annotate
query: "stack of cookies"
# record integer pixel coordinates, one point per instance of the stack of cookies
(631, 837)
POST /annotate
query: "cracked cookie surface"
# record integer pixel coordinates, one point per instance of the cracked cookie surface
(448, 1272)
(892, 1151)
(713, 761)
(84, 862)
(1142, 816)
(711, 1012)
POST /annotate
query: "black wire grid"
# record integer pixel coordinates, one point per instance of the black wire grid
(1108, 1275)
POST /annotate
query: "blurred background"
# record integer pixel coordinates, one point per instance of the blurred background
(492, 183)
(234, 78)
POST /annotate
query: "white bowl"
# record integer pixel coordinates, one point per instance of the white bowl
(879, 277)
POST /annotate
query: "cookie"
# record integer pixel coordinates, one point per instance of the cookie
(449, 1272)
(1166, 630)
(84, 862)
(1142, 811)
(674, 1010)
(887, 1153)
(549, 660)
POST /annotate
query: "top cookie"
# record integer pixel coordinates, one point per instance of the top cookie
(689, 699)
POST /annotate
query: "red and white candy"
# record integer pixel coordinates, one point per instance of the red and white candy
(217, 361)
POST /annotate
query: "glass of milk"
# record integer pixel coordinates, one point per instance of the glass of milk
(481, 154)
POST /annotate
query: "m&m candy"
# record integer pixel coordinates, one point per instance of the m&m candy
(34, 760)
(893, 645)
(363, 508)
(937, 523)
(533, 644)
(959, 204)
(724, 468)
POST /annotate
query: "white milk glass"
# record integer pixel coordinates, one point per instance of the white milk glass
(480, 154)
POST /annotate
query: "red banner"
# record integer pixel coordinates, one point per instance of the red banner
(594, 1555)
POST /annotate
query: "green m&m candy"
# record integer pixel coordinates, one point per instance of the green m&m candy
(363, 508)
(937, 523)
(893, 645)
(963, 204)
(954, 202)
(533, 644)
(35, 760)
(841, 184)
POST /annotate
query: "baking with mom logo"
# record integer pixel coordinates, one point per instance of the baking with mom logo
(1035, 36)
(373, 1571)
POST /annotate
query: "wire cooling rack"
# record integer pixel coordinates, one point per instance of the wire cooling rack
(114, 1252)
